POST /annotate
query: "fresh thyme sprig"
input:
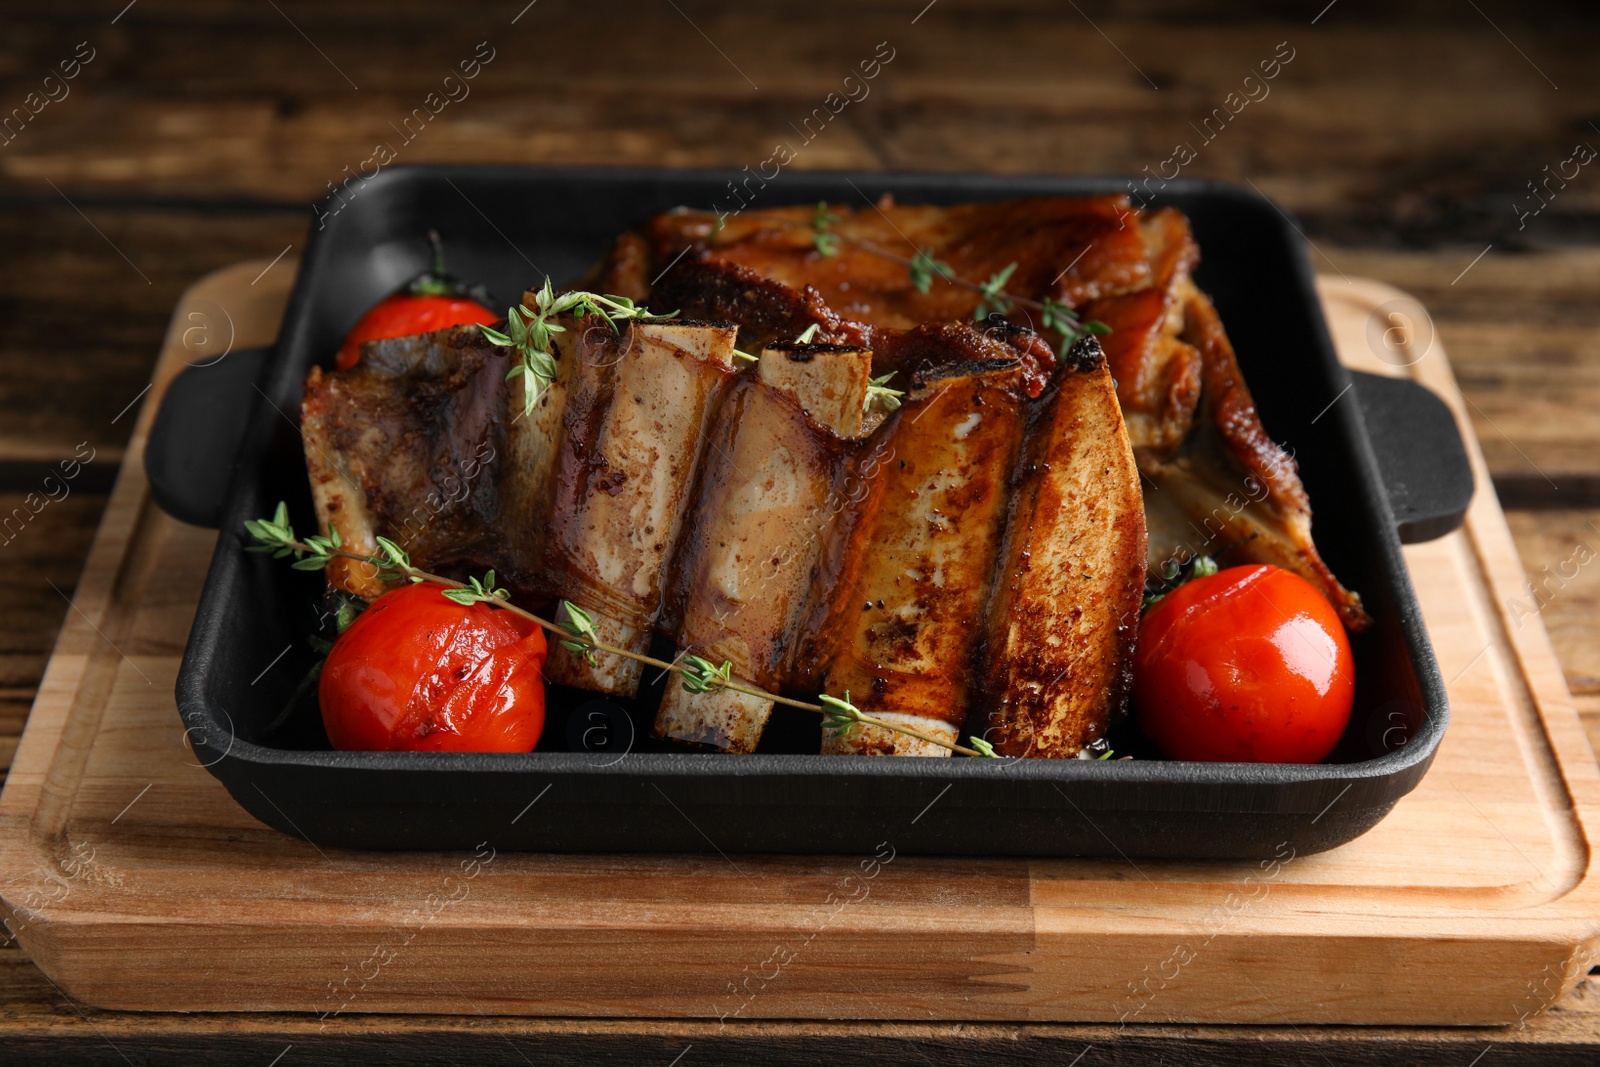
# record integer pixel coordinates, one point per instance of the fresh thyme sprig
(700, 675)
(581, 624)
(477, 592)
(529, 332)
(842, 715)
(826, 243)
(879, 393)
(1055, 315)
(994, 300)
(276, 537)
(983, 746)
(922, 267)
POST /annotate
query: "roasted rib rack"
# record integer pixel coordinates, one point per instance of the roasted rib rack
(972, 560)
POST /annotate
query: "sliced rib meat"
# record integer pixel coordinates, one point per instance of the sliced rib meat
(408, 445)
(911, 618)
(767, 500)
(1057, 659)
(633, 432)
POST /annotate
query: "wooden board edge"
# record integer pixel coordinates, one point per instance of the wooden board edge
(31, 847)
(1539, 672)
(1554, 938)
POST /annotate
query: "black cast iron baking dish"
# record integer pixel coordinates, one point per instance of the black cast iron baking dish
(599, 783)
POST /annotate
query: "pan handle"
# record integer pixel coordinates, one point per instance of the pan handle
(194, 440)
(1424, 464)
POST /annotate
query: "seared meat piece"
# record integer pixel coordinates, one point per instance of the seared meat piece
(767, 312)
(633, 429)
(1229, 484)
(767, 500)
(1057, 661)
(911, 610)
(408, 444)
(1045, 237)
(1157, 375)
(426, 443)
(827, 381)
(1099, 255)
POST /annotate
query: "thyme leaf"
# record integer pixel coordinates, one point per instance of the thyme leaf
(580, 623)
(529, 331)
(826, 243)
(983, 747)
(992, 296)
(701, 676)
(840, 715)
(477, 591)
(923, 267)
(880, 395)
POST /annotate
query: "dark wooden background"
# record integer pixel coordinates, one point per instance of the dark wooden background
(1404, 135)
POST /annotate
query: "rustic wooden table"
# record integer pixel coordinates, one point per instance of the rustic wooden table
(1444, 151)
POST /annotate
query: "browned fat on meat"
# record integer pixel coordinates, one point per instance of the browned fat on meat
(633, 432)
(913, 603)
(768, 312)
(1229, 489)
(1057, 659)
(768, 499)
(408, 445)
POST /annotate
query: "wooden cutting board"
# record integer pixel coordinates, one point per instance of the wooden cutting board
(135, 882)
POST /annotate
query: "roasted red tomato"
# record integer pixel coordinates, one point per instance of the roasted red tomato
(1248, 665)
(417, 672)
(432, 301)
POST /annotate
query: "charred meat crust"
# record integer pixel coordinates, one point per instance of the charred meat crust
(805, 353)
(927, 375)
(1057, 657)
(406, 445)
(767, 311)
(907, 618)
(1085, 356)
(675, 320)
(941, 349)
(1233, 447)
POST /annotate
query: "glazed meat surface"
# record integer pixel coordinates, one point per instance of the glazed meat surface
(1177, 380)
(1057, 660)
(771, 494)
(967, 558)
(408, 444)
(911, 618)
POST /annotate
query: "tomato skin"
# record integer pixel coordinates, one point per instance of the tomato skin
(1248, 665)
(403, 314)
(416, 672)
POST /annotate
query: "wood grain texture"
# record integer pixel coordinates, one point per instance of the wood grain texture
(41, 1026)
(234, 101)
(118, 846)
(201, 130)
(1404, 163)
